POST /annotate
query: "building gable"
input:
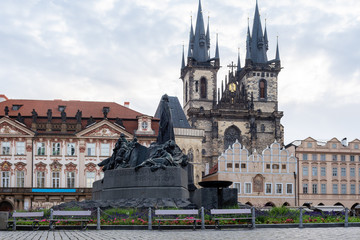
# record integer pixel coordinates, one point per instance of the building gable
(104, 129)
(9, 127)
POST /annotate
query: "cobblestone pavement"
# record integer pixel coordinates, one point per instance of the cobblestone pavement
(264, 233)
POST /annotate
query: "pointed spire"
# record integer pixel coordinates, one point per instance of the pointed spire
(217, 56)
(266, 38)
(208, 33)
(277, 57)
(238, 63)
(183, 58)
(191, 40)
(248, 43)
(258, 48)
(200, 50)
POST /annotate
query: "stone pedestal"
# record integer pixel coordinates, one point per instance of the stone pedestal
(127, 183)
(3, 217)
(210, 198)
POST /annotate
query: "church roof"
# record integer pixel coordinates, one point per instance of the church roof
(177, 113)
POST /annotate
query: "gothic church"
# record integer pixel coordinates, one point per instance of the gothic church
(245, 106)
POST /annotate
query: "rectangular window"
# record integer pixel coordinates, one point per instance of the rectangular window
(314, 171)
(20, 179)
(5, 179)
(237, 185)
(247, 187)
(275, 166)
(56, 149)
(90, 149)
(305, 188)
(305, 156)
(314, 189)
(352, 188)
(334, 157)
(5, 148)
(305, 171)
(343, 172)
(343, 188)
(352, 172)
(243, 165)
(40, 148)
(70, 179)
(343, 158)
(278, 187)
(335, 189)
(20, 148)
(105, 149)
(267, 166)
(268, 188)
(309, 145)
(352, 158)
(90, 179)
(40, 179)
(323, 157)
(323, 171)
(334, 172)
(314, 157)
(323, 188)
(229, 165)
(283, 166)
(334, 145)
(70, 151)
(237, 165)
(55, 179)
(289, 188)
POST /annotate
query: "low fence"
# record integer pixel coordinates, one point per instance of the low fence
(101, 218)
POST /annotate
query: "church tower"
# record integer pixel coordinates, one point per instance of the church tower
(199, 74)
(245, 107)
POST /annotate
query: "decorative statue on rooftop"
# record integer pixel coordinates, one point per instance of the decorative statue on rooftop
(49, 115)
(34, 116)
(78, 116)
(161, 154)
(6, 111)
(63, 116)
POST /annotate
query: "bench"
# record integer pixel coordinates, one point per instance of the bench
(34, 216)
(225, 214)
(194, 213)
(72, 216)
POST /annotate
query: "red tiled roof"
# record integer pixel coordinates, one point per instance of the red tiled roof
(88, 108)
(214, 169)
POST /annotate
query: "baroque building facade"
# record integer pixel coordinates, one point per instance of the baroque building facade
(329, 172)
(50, 149)
(245, 107)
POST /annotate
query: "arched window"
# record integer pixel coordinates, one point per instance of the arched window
(203, 88)
(186, 92)
(262, 88)
(231, 134)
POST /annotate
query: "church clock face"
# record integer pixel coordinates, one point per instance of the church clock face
(232, 87)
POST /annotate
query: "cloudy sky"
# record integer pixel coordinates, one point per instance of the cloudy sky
(130, 50)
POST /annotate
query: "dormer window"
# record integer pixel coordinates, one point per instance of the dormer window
(144, 125)
(61, 108)
(16, 107)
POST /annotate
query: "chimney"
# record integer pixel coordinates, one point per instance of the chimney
(344, 142)
(127, 104)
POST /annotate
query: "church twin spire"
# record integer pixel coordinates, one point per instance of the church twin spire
(257, 43)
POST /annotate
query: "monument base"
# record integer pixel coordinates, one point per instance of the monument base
(210, 198)
(126, 183)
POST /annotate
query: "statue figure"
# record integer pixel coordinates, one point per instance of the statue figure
(6, 111)
(105, 112)
(49, 115)
(90, 121)
(164, 153)
(166, 130)
(34, 116)
(119, 122)
(251, 104)
(63, 116)
(20, 118)
(78, 116)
